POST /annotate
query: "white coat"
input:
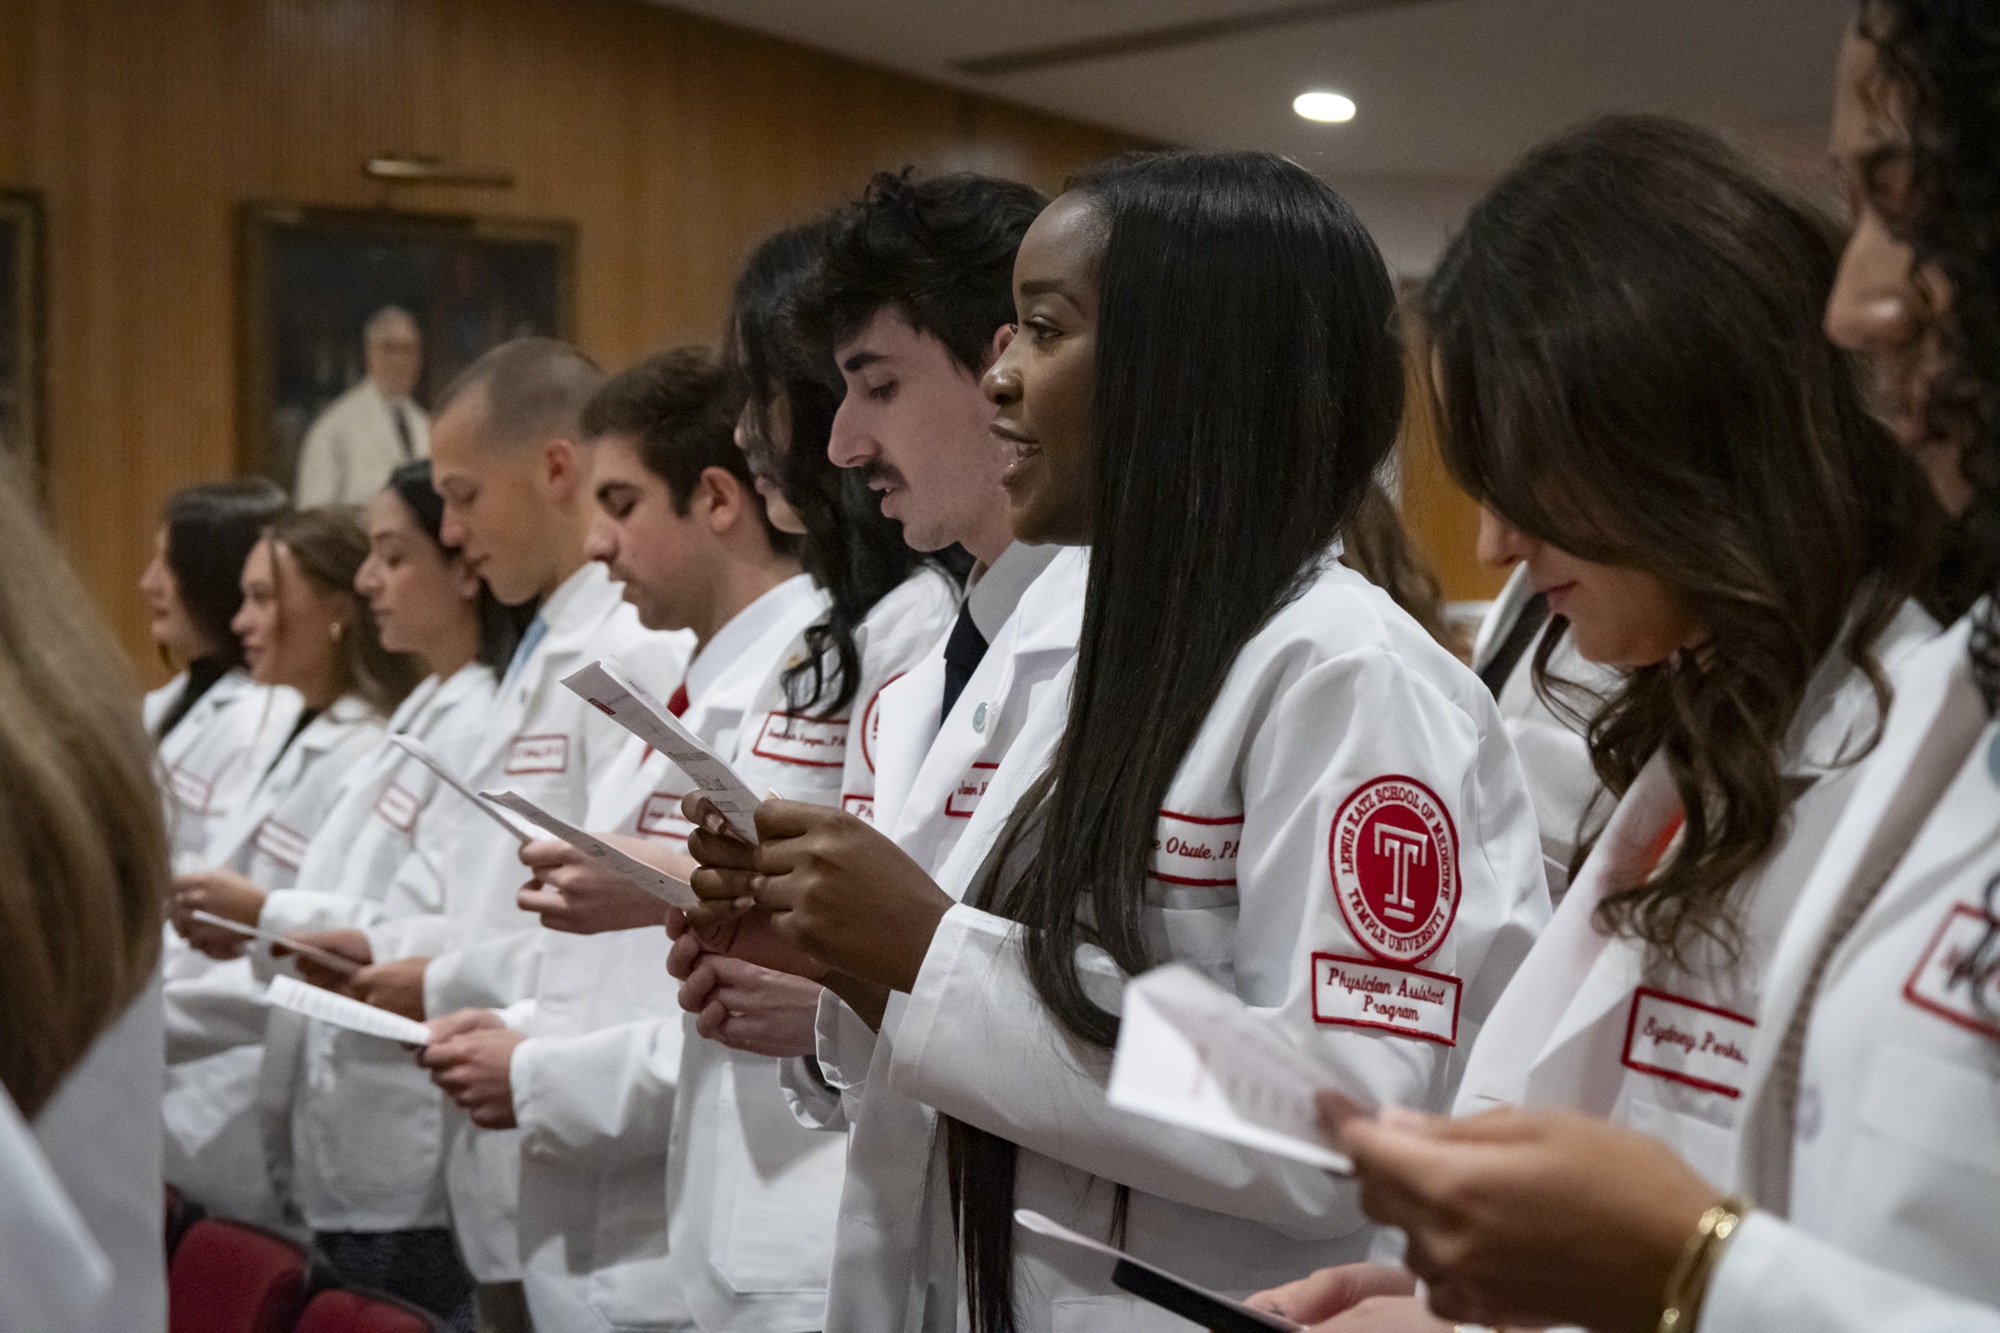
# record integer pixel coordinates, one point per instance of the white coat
(752, 1193)
(215, 1011)
(1349, 846)
(1592, 1023)
(594, 1083)
(54, 1275)
(212, 761)
(100, 1132)
(1554, 755)
(353, 1124)
(931, 777)
(1889, 1222)
(546, 743)
(351, 448)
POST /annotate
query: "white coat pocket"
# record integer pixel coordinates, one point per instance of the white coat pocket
(778, 1187)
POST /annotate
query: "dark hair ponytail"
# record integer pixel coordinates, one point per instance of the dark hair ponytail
(1223, 466)
(849, 548)
(500, 625)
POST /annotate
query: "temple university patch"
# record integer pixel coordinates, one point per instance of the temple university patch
(1394, 856)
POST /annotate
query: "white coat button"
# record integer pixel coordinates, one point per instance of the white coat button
(979, 719)
(1810, 1113)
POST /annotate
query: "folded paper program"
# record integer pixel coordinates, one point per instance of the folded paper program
(422, 753)
(342, 1012)
(653, 880)
(1191, 1054)
(603, 688)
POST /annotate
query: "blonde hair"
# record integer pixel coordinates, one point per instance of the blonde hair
(83, 845)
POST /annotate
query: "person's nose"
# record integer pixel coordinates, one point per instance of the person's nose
(1500, 543)
(1874, 304)
(848, 444)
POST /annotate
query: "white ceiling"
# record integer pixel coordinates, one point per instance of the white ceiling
(1449, 91)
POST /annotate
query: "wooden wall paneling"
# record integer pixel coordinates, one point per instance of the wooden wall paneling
(672, 142)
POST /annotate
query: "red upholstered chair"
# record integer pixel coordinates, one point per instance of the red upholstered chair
(351, 1311)
(230, 1277)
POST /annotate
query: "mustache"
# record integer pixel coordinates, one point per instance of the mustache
(882, 472)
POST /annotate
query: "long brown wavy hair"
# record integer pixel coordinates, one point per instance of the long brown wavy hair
(1632, 369)
(328, 544)
(82, 834)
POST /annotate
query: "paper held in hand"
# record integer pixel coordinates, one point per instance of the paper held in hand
(650, 878)
(344, 1012)
(1209, 1309)
(423, 754)
(1191, 1054)
(604, 689)
(347, 967)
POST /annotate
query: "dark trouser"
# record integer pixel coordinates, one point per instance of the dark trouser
(422, 1267)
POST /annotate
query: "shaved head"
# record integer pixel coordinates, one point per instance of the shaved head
(529, 390)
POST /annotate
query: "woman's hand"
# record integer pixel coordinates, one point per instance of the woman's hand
(751, 1008)
(1527, 1218)
(1330, 1291)
(1385, 1314)
(349, 944)
(828, 882)
(573, 895)
(219, 892)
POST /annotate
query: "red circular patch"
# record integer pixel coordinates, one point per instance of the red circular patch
(871, 722)
(1394, 856)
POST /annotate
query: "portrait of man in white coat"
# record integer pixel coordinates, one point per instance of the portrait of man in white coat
(374, 427)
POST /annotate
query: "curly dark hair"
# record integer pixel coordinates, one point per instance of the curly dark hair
(1940, 62)
(1627, 330)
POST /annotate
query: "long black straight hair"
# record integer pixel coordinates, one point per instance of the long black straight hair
(1248, 383)
(851, 550)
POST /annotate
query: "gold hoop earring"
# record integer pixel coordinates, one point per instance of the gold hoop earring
(338, 630)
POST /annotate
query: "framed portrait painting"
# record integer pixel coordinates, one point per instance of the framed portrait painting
(312, 278)
(23, 304)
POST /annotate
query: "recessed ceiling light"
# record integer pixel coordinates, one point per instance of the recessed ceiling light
(1330, 107)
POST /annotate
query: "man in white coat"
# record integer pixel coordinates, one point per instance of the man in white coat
(364, 434)
(590, 1079)
(514, 472)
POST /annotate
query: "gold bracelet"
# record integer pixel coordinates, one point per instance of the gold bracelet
(1688, 1283)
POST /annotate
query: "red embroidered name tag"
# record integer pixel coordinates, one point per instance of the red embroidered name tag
(1688, 1042)
(791, 739)
(1942, 983)
(286, 846)
(1356, 993)
(1197, 850)
(191, 792)
(660, 817)
(861, 807)
(398, 808)
(538, 754)
(964, 798)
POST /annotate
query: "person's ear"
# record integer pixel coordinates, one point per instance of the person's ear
(1002, 338)
(565, 467)
(720, 496)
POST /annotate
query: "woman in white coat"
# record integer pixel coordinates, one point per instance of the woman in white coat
(1737, 546)
(1258, 765)
(82, 834)
(1870, 1148)
(210, 719)
(356, 1125)
(301, 626)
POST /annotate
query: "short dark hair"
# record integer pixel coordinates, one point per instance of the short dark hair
(211, 529)
(535, 389)
(939, 250)
(680, 407)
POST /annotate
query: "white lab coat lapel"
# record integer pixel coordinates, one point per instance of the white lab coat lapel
(1567, 982)
(1499, 619)
(1037, 639)
(1936, 716)
(233, 844)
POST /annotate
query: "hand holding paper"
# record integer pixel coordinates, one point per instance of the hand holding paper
(1191, 1054)
(424, 755)
(333, 961)
(604, 689)
(653, 880)
(339, 1010)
